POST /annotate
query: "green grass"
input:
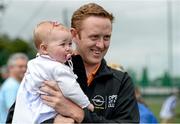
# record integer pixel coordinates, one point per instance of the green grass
(154, 103)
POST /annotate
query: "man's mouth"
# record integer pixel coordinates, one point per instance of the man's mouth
(96, 52)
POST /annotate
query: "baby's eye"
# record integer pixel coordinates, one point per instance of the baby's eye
(62, 44)
(70, 44)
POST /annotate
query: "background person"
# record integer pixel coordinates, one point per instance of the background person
(146, 115)
(167, 112)
(17, 66)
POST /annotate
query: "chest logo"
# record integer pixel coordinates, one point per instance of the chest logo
(98, 100)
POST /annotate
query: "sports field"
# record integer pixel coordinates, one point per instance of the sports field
(155, 103)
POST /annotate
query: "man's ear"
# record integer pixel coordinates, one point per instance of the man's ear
(74, 33)
(43, 48)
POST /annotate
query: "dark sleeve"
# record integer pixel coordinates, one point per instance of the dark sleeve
(10, 114)
(126, 109)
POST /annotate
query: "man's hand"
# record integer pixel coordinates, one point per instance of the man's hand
(56, 100)
(61, 120)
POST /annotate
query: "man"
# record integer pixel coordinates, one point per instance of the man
(146, 115)
(17, 67)
(109, 90)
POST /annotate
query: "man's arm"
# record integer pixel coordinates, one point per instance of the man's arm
(59, 120)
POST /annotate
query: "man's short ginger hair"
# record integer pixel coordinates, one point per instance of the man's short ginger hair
(91, 9)
(43, 31)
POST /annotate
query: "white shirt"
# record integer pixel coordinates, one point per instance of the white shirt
(29, 106)
(167, 110)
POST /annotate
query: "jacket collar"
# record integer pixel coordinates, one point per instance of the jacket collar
(103, 70)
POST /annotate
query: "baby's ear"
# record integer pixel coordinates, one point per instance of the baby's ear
(43, 49)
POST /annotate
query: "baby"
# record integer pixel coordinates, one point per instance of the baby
(53, 42)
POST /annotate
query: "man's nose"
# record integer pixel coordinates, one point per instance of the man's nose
(100, 43)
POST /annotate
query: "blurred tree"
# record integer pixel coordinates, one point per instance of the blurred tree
(4, 53)
(19, 45)
(176, 82)
(145, 79)
(9, 46)
(166, 80)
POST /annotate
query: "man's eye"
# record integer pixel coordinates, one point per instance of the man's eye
(106, 38)
(94, 37)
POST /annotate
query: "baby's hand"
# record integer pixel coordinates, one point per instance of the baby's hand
(91, 107)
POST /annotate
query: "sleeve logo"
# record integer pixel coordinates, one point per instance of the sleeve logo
(112, 100)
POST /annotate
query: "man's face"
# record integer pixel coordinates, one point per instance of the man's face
(94, 39)
(19, 68)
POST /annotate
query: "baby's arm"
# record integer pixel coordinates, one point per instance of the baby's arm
(62, 105)
(91, 107)
(71, 88)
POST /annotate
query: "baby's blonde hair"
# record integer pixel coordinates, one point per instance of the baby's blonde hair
(44, 29)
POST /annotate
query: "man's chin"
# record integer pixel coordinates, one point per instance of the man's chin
(96, 61)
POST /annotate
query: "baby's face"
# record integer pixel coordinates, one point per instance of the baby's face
(60, 45)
